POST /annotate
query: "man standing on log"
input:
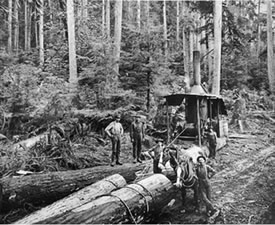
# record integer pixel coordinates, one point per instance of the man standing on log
(137, 136)
(115, 131)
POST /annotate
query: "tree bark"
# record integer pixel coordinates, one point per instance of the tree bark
(81, 197)
(26, 21)
(16, 27)
(165, 47)
(41, 33)
(270, 53)
(117, 35)
(49, 187)
(108, 28)
(218, 45)
(71, 38)
(138, 16)
(131, 204)
(103, 17)
(178, 21)
(10, 27)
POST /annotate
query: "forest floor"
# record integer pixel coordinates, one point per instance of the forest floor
(243, 187)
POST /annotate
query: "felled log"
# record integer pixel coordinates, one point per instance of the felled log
(131, 204)
(85, 195)
(38, 189)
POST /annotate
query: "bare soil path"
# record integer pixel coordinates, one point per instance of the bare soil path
(243, 188)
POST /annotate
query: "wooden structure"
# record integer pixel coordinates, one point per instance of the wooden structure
(201, 108)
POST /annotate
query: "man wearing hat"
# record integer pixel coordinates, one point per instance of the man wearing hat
(137, 135)
(204, 184)
(115, 131)
(212, 141)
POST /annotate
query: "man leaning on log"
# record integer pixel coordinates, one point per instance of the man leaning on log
(115, 131)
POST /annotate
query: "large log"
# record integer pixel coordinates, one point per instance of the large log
(132, 204)
(46, 188)
(76, 199)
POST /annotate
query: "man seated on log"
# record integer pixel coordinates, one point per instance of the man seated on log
(203, 171)
(115, 131)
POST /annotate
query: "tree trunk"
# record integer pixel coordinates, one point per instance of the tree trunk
(29, 24)
(103, 17)
(191, 49)
(131, 204)
(36, 33)
(270, 47)
(49, 187)
(26, 20)
(138, 16)
(210, 49)
(41, 33)
(10, 28)
(77, 199)
(117, 35)
(148, 16)
(51, 19)
(165, 47)
(178, 21)
(217, 48)
(16, 27)
(71, 38)
(108, 28)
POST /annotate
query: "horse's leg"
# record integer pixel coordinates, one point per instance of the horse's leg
(183, 196)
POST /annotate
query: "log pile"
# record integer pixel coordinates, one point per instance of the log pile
(46, 188)
(133, 203)
(76, 199)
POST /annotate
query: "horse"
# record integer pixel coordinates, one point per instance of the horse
(183, 163)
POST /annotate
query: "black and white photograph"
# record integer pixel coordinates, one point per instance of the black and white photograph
(137, 112)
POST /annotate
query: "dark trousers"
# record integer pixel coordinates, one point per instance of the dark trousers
(205, 191)
(115, 149)
(156, 169)
(137, 148)
(212, 150)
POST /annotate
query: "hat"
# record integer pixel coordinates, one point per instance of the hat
(158, 140)
(117, 116)
(201, 156)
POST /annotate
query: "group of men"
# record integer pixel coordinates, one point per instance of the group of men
(115, 131)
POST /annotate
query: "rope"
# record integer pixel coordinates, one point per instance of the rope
(147, 204)
(127, 208)
(147, 191)
(111, 182)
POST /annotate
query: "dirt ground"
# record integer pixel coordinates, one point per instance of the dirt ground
(243, 187)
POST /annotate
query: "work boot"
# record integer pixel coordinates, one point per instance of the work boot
(113, 163)
(135, 161)
(139, 160)
(118, 163)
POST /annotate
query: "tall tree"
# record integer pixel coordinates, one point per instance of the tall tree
(71, 40)
(41, 32)
(108, 26)
(178, 21)
(165, 47)
(26, 25)
(16, 26)
(217, 48)
(270, 57)
(117, 34)
(138, 15)
(103, 17)
(10, 27)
